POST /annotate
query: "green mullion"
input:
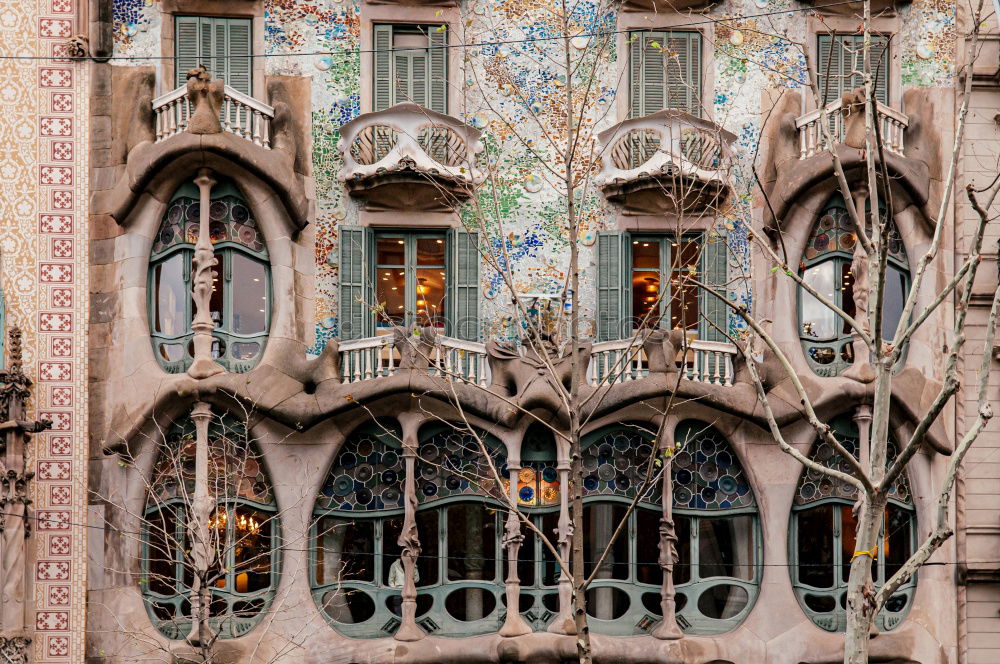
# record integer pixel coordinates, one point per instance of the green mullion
(695, 572)
(410, 302)
(666, 287)
(633, 562)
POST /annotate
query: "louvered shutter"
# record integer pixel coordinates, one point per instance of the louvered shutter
(356, 298)
(187, 47)
(437, 82)
(612, 319)
(715, 272)
(417, 84)
(382, 92)
(683, 71)
(238, 48)
(463, 306)
(665, 72)
(636, 60)
(837, 65)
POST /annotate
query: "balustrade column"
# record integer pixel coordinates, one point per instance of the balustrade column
(202, 283)
(514, 624)
(668, 628)
(565, 539)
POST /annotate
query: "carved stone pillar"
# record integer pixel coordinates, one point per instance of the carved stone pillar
(668, 629)
(202, 283)
(409, 542)
(202, 553)
(514, 624)
(863, 420)
(564, 623)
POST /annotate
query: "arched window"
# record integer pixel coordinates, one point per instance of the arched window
(823, 536)
(241, 295)
(357, 575)
(243, 532)
(828, 266)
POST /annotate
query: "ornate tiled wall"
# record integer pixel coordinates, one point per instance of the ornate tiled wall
(43, 194)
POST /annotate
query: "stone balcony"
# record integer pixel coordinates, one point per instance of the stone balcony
(850, 130)
(409, 157)
(242, 115)
(668, 162)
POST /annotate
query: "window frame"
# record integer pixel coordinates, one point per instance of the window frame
(697, 107)
(410, 267)
(428, 29)
(666, 242)
(246, 22)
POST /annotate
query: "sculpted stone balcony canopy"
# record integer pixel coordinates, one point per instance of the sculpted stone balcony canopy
(856, 8)
(409, 157)
(668, 162)
(659, 6)
(846, 118)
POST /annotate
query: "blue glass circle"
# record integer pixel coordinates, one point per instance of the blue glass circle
(430, 489)
(526, 494)
(590, 483)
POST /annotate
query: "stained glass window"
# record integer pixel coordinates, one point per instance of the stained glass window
(538, 478)
(618, 464)
(240, 301)
(706, 473)
(368, 474)
(451, 463)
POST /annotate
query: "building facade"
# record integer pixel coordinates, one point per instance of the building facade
(267, 247)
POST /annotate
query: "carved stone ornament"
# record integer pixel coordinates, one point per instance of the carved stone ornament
(206, 96)
(14, 491)
(14, 650)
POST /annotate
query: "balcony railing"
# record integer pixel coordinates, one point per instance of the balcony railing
(409, 138)
(660, 147)
(378, 357)
(241, 115)
(624, 360)
(892, 125)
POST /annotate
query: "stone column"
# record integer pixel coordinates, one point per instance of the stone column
(202, 552)
(863, 420)
(564, 623)
(668, 628)
(409, 542)
(514, 624)
(202, 285)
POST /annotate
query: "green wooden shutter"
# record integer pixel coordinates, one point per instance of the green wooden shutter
(665, 72)
(845, 58)
(238, 48)
(462, 309)
(612, 314)
(417, 84)
(187, 47)
(382, 92)
(715, 272)
(636, 87)
(437, 75)
(683, 72)
(356, 319)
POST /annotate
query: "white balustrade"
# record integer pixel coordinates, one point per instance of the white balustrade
(618, 361)
(708, 361)
(892, 126)
(411, 135)
(465, 361)
(241, 115)
(364, 359)
(666, 142)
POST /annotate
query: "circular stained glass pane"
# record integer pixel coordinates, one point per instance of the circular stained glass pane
(240, 213)
(343, 485)
(364, 472)
(590, 483)
(550, 475)
(526, 494)
(429, 489)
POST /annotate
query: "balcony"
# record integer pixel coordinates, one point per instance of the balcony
(892, 125)
(409, 157)
(240, 115)
(380, 357)
(669, 162)
(624, 361)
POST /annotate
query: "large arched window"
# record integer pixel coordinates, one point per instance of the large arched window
(828, 266)
(243, 532)
(357, 573)
(241, 295)
(823, 536)
(715, 519)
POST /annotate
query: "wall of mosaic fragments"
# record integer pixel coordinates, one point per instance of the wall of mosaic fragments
(753, 49)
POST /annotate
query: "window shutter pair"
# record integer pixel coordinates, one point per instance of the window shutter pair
(410, 75)
(357, 293)
(837, 65)
(614, 318)
(665, 72)
(222, 45)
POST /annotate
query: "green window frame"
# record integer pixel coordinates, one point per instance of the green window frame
(224, 46)
(410, 65)
(840, 55)
(665, 71)
(165, 573)
(821, 539)
(363, 291)
(241, 281)
(826, 265)
(623, 258)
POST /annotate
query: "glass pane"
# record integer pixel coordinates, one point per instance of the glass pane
(392, 564)
(847, 295)
(430, 297)
(646, 255)
(722, 602)
(818, 321)
(600, 521)
(550, 566)
(647, 547)
(390, 291)
(430, 252)
(725, 547)
(815, 546)
(170, 295)
(472, 543)
(895, 296)
(345, 551)
(684, 297)
(428, 561)
(348, 605)
(251, 549)
(607, 603)
(216, 305)
(249, 295)
(390, 251)
(645, 299)
(848, 539)
(162, 552)
(682, 568)
(526, 561)
(898, 543)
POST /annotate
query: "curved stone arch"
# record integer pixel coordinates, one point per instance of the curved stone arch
(245, 527)
(821, 529)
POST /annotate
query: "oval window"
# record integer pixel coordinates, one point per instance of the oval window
(723, 601)
(468, 604)
(607, 603)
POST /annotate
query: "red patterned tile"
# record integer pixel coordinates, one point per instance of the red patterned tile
(52, 621)
(52, 570)
(59, 545)
(60, 273)
(55, 78)
(60, 445)
(58, 646)
(58, 175)
(62, 6)
(52, 28)
(55, 470)
(61, 420)
(55, 223)
(60, 495)
(62, 102)
(53, 520)
(62, 200)
(62, 298)
(53, 322)
(62, 151)
(62, 347)
(61, 396)
(58, 595)
(50, 126)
